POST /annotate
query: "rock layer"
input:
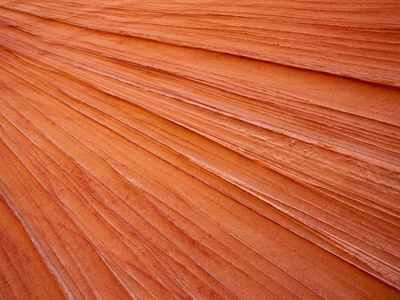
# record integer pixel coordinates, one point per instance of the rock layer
(200, 149)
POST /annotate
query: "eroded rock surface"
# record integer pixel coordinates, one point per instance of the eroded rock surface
(199, 149)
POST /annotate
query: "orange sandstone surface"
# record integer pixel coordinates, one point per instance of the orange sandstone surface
(199, 149)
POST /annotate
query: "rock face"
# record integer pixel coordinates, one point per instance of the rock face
(200, 149)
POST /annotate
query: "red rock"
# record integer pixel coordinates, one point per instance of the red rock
(200, 150)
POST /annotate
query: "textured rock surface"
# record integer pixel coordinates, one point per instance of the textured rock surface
(200, 149)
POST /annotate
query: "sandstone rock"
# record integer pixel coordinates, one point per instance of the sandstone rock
(200, 149)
